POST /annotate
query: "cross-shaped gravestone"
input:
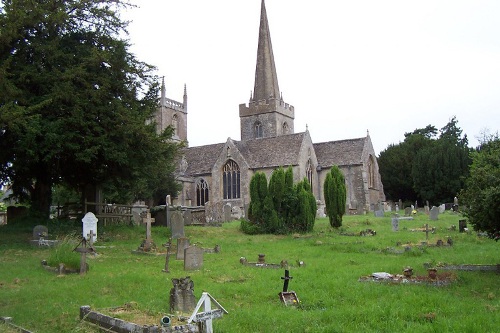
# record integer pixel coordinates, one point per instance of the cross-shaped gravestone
(148, 220)
(286, 279)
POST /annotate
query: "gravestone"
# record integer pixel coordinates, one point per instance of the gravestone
(442, 208)
(397, 208)
(188, 217)
(182, 295)
(433, 214)
(90, 224)
(400, 203)
(177, 223)
(182, 244)
(408, 211)
(148, 244)
(204, 319)
(427, 210)
(462, 224)
(395, 224)
(379, 213)
(193, 258)
(227, 213)
(40, 231)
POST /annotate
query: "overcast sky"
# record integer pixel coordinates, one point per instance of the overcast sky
(346, 66)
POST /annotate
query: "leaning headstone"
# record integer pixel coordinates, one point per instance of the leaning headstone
(193, 258)
(182, 295)
(433, 214)
(395, 224)
(40, 231)
(227, 213)
(177, 223)
(182, 244)
(90, 224)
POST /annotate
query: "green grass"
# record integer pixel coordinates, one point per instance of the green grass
(331, 298)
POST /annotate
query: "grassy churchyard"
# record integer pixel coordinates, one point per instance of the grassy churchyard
(332, 299)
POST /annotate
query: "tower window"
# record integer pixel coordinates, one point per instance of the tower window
(175, 124)
(231, 180)
(286, 129)
(258, 130)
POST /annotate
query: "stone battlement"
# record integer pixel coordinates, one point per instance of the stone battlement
(270, 105)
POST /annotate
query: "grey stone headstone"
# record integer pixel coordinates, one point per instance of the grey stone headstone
(177, 223)
(227, 213)
(397, 208)
(442, 208)
(182, 297)
(188, 217)
(379, 213)
(408, 211)
(89, 223)
(40, 231)
(395, 224)
(182, 244)
(427, 210)
(193, 258)
(434, 212)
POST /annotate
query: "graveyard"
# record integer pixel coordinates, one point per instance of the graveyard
(324, 281)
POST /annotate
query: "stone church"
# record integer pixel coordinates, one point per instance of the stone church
(216, 177)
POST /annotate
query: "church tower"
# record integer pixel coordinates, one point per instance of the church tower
(172, 113)
(266, 115)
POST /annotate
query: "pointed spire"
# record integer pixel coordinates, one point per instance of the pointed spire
(163, 93)
(266, 80)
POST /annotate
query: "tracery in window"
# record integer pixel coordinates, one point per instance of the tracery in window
(231, 180)
(201, 192)
(258, 130)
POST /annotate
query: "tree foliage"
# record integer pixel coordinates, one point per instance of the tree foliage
(425, 166)
(335, 195)
(281, 207)
(75, 103)
(481, 195)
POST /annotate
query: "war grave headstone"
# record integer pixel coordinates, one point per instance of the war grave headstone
(182, 244)
(433, 214)
(193, 258)
(89, 222)
(177, 224)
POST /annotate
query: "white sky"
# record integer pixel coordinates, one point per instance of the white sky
(347, 66)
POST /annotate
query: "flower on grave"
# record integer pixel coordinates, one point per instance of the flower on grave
(414, 212)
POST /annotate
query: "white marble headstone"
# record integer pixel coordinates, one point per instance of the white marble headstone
(89, 223)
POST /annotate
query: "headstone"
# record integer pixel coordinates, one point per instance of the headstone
(227, 213)
(397, 208)
(149, 241)
(442, 208)
(379, 213)
(177, 223)
(182, 244)
(400, 203)
(427, 210)
(433, 214)
(182, 295)
(193, 258)
(408, 211)
(395, 224)
(89, 223)
(188, 217)
(462, 224)
(40, 231)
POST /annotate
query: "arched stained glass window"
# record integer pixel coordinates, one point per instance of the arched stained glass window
(231, 180)
(201, 192)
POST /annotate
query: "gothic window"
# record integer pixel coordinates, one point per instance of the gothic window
(371, 172)
(258, 130)
(231, 180)
(309, 173)
(286, 129)
(175, 124)
(201, 192)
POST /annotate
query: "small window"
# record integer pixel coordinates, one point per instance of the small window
(309, 173)
(286, 129)
(258, 130)
(175, 124)
(371, 172)
(201, 192)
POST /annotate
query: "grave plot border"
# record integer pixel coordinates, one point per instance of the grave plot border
(8, 321)
(469, 267)
(121, 326)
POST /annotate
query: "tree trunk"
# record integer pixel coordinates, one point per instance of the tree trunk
(41, 196)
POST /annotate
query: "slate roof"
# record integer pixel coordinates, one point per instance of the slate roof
(272, 152)
(201, 159)
(342, 152)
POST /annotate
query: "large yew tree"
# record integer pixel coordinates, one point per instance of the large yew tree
(74, 102)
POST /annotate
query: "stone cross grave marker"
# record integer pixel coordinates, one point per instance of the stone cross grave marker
(433, 213)
(193, 258)
(177, 224)
(148, 220)
(208, 313)
(90, 224)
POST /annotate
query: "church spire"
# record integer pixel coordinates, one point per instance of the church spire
(163, 93)
(266, 79)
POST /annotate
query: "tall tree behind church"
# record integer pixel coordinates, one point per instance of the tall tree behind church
(74, 102)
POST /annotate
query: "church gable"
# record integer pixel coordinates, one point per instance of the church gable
(343, 152)
(201, 159)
